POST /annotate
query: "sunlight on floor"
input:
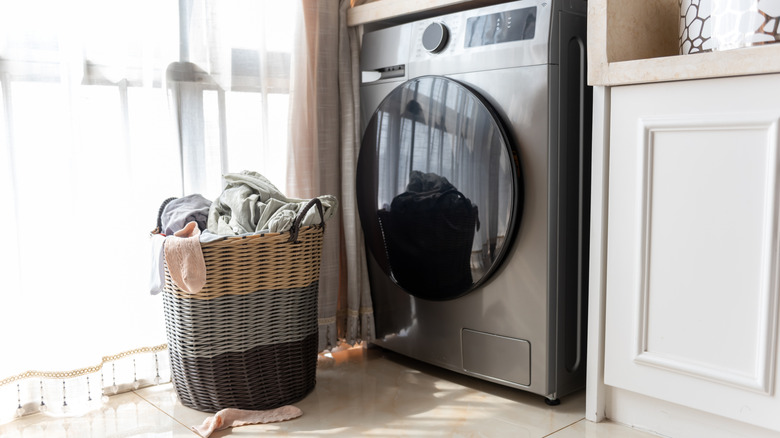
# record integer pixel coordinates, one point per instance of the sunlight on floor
(359, 392)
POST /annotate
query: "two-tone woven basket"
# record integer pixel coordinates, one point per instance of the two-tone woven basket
(248, 339)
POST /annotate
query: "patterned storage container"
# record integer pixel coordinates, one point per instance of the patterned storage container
(707, 25)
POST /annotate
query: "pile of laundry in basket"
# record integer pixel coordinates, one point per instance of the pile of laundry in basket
(249, 204)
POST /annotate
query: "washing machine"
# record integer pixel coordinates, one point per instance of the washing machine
(473, 191)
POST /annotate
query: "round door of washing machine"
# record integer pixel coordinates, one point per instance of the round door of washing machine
(439, 188)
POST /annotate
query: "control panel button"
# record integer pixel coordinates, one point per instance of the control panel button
(435, 37)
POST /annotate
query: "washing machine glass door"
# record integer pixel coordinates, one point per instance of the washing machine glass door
(438, 188)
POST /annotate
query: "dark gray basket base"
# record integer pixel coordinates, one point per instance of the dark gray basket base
(264, 377)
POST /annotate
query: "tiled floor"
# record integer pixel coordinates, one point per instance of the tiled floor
(359, 393)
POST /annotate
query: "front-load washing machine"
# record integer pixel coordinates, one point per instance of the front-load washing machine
(473, 191)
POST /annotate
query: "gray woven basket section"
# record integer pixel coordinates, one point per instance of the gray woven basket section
(237, 323)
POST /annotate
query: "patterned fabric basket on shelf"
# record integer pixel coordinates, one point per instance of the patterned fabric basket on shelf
(248, 339)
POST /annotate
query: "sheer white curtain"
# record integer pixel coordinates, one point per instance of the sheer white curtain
(231, 89)
(86, 138)
(106, 109)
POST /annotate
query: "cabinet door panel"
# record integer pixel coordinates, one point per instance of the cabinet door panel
(692, 262)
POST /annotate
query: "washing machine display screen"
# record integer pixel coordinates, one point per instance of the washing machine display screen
(516, 25)
(438, 188)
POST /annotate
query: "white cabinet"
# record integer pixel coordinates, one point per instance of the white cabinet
(692, 254)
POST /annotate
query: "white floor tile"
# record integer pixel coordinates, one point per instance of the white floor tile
(361, 392)
(123, 415)
(606, 429)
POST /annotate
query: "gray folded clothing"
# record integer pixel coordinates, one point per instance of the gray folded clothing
(181, 211)
(250, 203)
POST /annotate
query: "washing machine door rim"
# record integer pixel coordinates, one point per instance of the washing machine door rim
(439, 188)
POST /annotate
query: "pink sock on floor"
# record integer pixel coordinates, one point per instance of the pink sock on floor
(239, 417)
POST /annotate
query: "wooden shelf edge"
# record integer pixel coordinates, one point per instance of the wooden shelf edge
(738, 62)
(387, 9)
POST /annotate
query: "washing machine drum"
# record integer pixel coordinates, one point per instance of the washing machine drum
(438, 188)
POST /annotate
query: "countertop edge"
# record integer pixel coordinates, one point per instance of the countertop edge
(737, 62)
(387, 9)
(384, 10)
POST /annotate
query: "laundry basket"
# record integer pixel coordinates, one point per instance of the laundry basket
(248, 339)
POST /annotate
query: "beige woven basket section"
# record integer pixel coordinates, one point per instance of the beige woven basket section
(241, 265)
(232, 266)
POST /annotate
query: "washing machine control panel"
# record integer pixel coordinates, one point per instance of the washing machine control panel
(501, 27)
(519, 30)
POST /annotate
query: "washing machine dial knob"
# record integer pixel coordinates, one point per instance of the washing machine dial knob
(435, 37)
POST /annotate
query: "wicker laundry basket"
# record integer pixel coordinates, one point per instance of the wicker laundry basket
(248, 339)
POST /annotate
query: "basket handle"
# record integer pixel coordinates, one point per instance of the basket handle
(159, 229)
(296, 226)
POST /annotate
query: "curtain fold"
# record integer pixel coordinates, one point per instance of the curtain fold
(323, 147)
(360, 313)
